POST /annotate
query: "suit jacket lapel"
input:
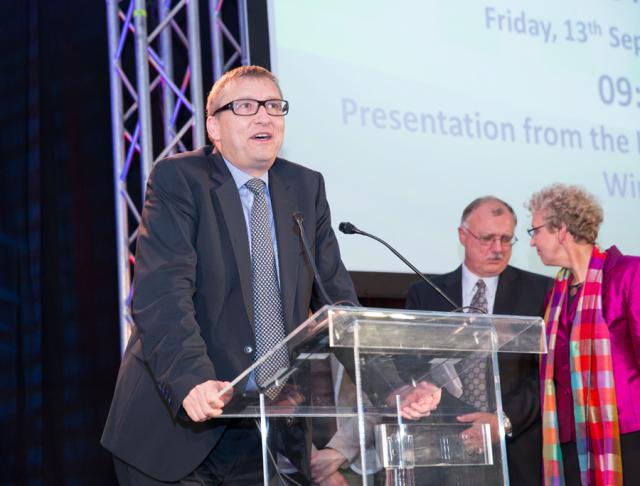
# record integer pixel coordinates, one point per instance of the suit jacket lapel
(452, 285)
(505, 299)
(288, 242)
(226, 194)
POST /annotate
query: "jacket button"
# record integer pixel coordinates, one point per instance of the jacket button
(248, 349)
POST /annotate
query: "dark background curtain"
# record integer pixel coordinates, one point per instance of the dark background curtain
(59, 318)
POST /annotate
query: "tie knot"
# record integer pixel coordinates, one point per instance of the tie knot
(479, 301)
(256, 186)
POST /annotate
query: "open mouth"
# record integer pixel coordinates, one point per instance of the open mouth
(261, 137)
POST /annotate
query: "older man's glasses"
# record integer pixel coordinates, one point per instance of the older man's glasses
(249, 107)
(488, 240)
(534, 231)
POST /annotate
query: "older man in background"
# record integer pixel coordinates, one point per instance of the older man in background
(485, 280)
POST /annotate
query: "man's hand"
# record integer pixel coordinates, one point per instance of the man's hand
(416, 401)
(324, 464)
(203, 402)
(472, 437)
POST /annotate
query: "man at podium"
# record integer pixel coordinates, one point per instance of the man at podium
(220, 278)
(487, 283)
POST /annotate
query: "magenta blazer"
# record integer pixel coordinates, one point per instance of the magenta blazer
(621, 305)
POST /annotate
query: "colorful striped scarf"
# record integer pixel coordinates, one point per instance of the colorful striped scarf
(594, 396)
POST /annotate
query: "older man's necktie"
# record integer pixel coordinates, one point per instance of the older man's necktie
(474, 378)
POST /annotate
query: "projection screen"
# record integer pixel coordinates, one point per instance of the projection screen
(412, 109)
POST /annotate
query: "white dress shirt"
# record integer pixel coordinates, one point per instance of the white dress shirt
(469, 280)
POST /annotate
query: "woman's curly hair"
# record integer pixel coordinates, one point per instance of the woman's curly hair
(571, 206)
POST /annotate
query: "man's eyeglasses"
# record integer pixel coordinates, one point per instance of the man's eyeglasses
(534, 231)
(248, 107)
(505, 240)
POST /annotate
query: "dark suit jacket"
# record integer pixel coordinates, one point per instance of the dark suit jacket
(192, 303)
(519, 293)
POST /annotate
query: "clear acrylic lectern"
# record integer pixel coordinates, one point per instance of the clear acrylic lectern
(362, 381)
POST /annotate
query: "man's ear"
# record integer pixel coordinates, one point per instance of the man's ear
(462, 235)
(213, 128)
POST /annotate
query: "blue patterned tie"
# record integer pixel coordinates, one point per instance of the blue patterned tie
(267, 300)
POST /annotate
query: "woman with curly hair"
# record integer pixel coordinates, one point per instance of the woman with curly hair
(590, 378)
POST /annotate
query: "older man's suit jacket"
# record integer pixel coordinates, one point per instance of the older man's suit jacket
(519, 293)
(192, 302)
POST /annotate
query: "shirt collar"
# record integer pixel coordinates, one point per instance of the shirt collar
(469, 280)
(241, 178)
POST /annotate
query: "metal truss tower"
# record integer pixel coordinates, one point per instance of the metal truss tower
(157, 101)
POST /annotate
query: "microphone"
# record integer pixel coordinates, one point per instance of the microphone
(299, 219)
(350, 229)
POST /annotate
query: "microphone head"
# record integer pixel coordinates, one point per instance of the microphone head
(347, 228)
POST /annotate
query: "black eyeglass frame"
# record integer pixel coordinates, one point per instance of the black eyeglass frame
(230, 106)
(486, 242)
(533, 231)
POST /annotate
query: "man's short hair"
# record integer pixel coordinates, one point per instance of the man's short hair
(213, 100)
(499, 210)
